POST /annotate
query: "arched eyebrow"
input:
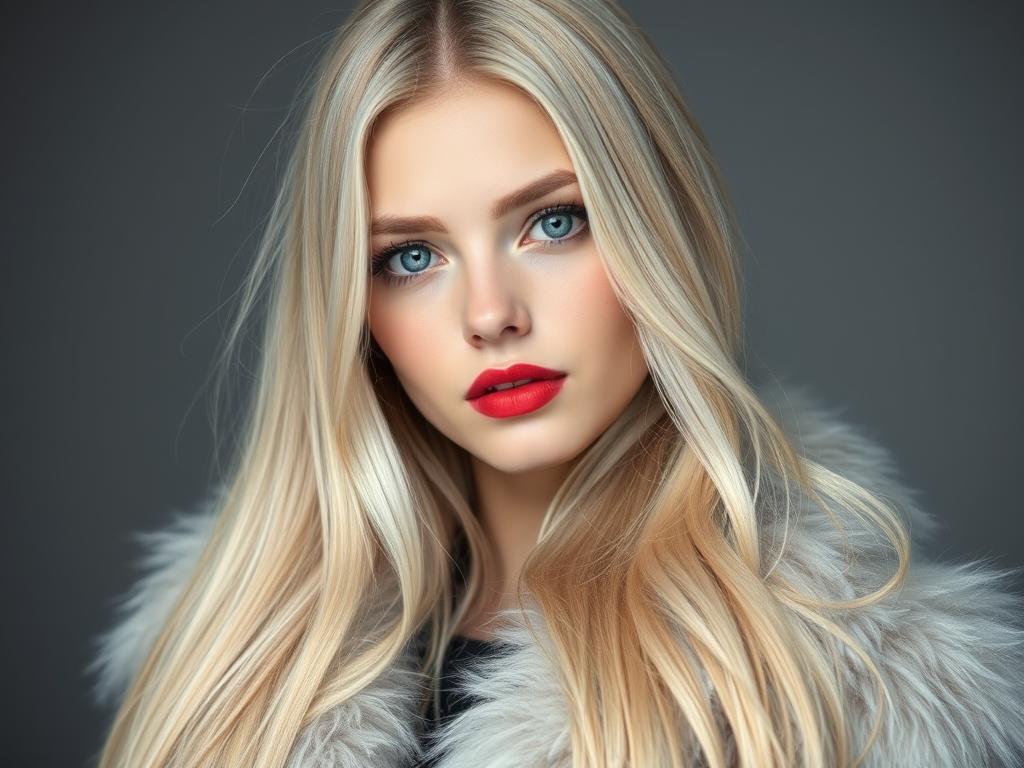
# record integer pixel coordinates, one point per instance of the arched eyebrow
(410, 225)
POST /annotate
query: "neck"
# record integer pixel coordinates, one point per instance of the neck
(511, 508)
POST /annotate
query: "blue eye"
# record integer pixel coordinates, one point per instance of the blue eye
(555, 222)
(412, 256)
(555, 225)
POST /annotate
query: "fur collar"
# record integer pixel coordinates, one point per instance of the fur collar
(951, 643)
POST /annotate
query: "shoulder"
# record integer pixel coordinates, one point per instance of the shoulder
(168, 556)
(949, 643)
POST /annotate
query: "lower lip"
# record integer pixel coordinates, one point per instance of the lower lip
(518, 400)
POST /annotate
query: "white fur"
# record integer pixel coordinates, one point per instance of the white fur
(169, 555)
(950, 643)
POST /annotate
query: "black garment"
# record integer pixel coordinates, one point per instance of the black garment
(460, 651)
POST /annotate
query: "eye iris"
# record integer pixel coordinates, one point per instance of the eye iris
(415, 258)
(562, 224)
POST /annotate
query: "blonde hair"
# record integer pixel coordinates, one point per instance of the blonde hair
(332, 546)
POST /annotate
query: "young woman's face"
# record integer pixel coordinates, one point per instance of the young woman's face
(469, 290)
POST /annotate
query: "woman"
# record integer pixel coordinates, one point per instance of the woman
(501, 405)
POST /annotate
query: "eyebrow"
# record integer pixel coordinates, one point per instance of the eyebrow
(409, 225)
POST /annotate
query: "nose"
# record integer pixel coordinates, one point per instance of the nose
(494, 306)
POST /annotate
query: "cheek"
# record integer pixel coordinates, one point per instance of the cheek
(403, 337)
(602, 329)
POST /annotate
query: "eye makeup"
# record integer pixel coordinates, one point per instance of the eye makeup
(380, 259)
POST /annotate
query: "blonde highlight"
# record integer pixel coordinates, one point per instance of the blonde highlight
(678, 631)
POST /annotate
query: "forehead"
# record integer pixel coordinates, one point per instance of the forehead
(485, 138)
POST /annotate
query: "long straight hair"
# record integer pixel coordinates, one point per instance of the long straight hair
(674, 632)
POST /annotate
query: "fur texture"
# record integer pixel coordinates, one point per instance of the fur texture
(950, 643)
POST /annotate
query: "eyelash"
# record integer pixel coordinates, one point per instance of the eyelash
(381, 257)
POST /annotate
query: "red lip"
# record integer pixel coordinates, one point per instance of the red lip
(493, 376)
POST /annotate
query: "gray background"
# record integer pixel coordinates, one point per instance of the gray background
(873, 152)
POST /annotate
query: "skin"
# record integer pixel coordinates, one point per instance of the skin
(490, 296)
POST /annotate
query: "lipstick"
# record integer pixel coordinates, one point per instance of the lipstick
(518, 389)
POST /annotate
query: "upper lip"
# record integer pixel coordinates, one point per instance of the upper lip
(494, 376)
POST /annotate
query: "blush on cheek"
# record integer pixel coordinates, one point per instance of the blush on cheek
(399, 350)
(401, 338)
(621, 352)
(596, 294)
(387, 334)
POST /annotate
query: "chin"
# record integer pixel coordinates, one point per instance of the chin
(524, 459)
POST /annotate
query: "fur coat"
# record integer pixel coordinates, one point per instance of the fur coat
(950, 643)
